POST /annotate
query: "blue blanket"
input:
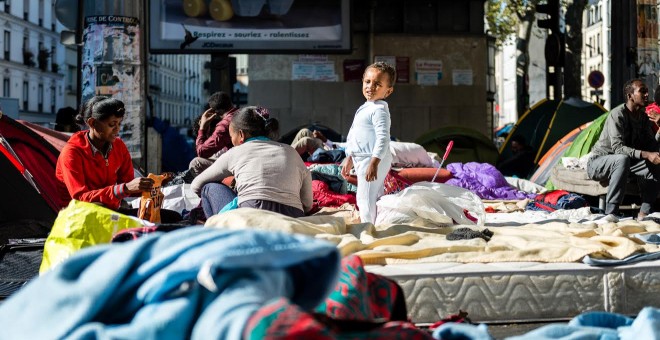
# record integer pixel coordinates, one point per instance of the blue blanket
(191, 283)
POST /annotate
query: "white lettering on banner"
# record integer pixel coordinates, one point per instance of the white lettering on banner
(105, 19)
(250, 35)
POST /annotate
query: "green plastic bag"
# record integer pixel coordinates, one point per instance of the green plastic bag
(81, 225)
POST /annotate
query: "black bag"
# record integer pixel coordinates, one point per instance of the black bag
(20, 260)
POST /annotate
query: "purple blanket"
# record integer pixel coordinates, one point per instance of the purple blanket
(484, 180)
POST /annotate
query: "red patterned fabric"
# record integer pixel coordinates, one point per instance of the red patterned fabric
(362, 306)
(395, 183)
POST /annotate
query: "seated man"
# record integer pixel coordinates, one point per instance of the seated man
(628, 146)
(520, 164)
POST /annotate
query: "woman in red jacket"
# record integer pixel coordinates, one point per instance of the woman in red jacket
(95, 165)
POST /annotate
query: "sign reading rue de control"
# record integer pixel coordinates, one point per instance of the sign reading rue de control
(249, 26)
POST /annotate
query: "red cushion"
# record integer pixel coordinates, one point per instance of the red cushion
(415, 175)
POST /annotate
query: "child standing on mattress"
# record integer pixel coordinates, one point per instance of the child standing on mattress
(368, 140)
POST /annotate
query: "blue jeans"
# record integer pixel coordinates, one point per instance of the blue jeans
(214, 197)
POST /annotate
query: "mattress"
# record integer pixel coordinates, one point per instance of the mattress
(523, 291)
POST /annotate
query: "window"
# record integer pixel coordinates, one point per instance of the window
(25, 95)
(53, 99)
(41, 12)
(71, 78)
(7, 44)
(5, 88)
(40, 99)
(26, 7)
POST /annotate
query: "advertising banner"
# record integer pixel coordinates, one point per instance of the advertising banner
(249, 26)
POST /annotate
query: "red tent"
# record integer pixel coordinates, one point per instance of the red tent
(27, 162)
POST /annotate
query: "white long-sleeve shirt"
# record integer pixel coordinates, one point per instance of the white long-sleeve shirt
(369, 135)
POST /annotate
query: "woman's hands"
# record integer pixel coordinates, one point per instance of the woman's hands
(138, 185)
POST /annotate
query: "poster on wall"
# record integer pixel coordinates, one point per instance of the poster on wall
(353, 69)
(111, 67)
(401, 65)
(648, 63)
(461, 77)
(402, 70)
(428, 72)
(315, 71)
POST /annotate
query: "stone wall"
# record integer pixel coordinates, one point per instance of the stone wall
(415, 109)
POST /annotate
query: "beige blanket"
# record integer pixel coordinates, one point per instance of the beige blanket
(551, 242)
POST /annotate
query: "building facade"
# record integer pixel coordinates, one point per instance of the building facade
(30, 65)
(178, 87)
(596, 47)
(506, 77)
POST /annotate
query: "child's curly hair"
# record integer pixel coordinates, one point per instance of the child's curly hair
(384, 67)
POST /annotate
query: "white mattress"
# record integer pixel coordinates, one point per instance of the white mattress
(523, 291)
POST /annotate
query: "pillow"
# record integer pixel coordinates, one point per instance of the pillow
(410, 155)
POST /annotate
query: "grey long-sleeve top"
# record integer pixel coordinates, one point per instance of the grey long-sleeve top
(626, 133)
(263, 170)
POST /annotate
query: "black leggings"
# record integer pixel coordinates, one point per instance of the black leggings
(274, 207)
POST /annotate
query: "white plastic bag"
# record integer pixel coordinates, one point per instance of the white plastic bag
(178, 197)
(431, 204)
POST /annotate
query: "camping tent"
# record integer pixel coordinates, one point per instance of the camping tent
(27, 155)
(548, 121)
(574, 145)
(587, 138)
(469, 145)
(553, 156)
